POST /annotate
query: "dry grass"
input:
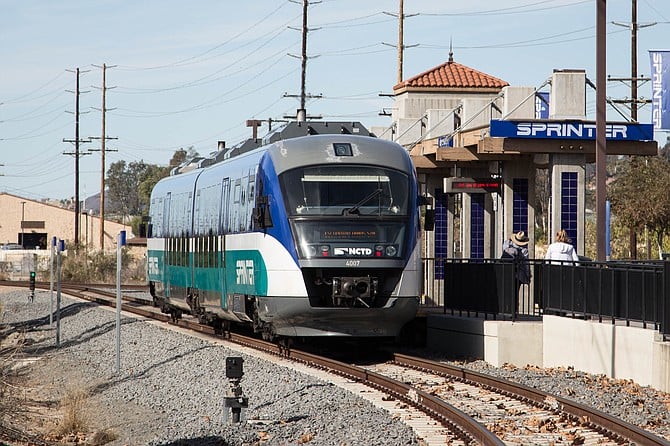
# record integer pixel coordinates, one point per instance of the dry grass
(73, 405)
(12, 405)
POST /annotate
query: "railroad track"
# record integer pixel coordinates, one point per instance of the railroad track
(516, 413)
(473, 408)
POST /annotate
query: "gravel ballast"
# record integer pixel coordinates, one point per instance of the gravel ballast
(171, 387)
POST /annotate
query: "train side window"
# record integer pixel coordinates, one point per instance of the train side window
(237, 192)
(212, 250)
(203, 251)
(171, 251)
(196, 249)
(197, 261)
(187, 251)
(216, 252)
(208, 251)
(177, 251)
(173, 259)
(250, 194)
(182, 250)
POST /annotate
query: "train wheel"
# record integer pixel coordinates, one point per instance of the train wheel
(284, 345)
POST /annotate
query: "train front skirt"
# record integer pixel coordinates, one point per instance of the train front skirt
(293, 316)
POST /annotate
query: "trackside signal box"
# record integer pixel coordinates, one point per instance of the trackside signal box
(32, 285)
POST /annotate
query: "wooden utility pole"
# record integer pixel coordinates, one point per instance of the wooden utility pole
(103, 150)
(76, 154)
(302, 113)
(102, 157)
(401, 40)
(76, 166)
(401, 37)
(633, 101)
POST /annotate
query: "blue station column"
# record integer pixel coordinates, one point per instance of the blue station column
(568, 172)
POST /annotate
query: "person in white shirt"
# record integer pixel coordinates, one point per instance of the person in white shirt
(561, 249)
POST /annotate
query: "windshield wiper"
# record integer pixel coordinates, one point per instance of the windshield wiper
(354, 208)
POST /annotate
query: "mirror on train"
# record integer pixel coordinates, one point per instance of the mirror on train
(429, 220)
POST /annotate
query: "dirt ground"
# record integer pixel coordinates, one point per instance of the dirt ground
(45, 399)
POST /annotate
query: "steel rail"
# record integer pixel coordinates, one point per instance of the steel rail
(594, 419)
(464, 426)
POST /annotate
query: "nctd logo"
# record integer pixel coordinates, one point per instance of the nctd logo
(352, 251)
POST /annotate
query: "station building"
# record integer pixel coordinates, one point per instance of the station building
(477, 143)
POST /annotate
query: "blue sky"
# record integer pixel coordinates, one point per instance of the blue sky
(188, 74)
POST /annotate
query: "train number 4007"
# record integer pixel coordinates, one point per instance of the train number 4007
(353, 263)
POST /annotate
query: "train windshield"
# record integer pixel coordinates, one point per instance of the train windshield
(345, 190)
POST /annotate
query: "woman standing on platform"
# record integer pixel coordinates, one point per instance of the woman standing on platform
(561, 250)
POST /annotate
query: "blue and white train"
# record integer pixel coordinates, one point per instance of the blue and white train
(310, 236)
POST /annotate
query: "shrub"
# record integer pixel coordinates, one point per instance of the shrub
(100, 267)
(74, 412)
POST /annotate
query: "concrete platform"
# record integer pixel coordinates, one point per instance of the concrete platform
(617, 351)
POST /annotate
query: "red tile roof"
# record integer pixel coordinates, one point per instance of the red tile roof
(452, 75)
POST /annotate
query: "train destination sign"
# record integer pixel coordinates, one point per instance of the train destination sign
(345, 234)
(579, 130)
(455, 185)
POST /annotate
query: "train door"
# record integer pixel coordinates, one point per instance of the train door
(224, 227)
(251, 196)
(166, 245)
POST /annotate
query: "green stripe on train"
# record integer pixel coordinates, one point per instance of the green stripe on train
(245, 273)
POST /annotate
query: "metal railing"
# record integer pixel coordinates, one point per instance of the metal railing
(626, 292)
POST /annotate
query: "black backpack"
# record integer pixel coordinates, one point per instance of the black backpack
(521, 267)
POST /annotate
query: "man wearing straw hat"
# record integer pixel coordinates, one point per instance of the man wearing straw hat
(516, 248)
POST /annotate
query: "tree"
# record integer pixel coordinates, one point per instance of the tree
(665, 150)
(542, 195)
(640, 198)
(151, 176)
(181, 155)
(130, 184)
(123, 182)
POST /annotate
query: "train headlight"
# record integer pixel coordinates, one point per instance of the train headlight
(325, 250)
(310, 250)
(391, 251)
(379, 251)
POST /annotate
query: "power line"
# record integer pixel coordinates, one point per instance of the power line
(506, 11)
(191, 59)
